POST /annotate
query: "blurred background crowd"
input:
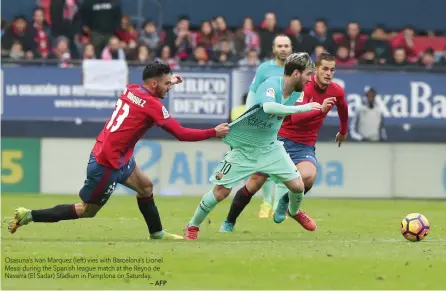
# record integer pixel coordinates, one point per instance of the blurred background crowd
(68, 30)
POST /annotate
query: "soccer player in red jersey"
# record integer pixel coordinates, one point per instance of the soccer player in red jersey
(299, 135)
(111, 160)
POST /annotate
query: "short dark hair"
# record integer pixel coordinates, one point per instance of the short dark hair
(281, 35)
(38, 8)
(155, 69)
(325, 57)
(298, 61)
(183, 17)
(429, 50)
(321, 20)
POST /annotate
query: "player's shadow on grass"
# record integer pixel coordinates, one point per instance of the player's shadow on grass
(217, 238)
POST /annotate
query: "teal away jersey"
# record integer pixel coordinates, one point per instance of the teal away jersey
(255, 128)
(266, 70)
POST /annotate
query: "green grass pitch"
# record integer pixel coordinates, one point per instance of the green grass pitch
(358, 245)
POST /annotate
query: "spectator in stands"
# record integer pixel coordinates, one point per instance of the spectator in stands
(142, 55)
(41, 33)
(368, 123)
(369, 57)
(65, 21)
(267, 33)
(343, 58)
(102, 18)
(149, 36)
(224, 53)
(222, 32)
(442, 61)
(251, 59)
(246, 38)
(113, 51)
(300, 42)
(318, 50)
(399, 57)
(405, 40)
(428, 59)
(88, 52)
(179, 39)
(214, 23)
(127, 33)
(379, 41)
(200, 57)
(61, 52)
(205, 36)
(21, 32)
(165, 56)
(322, 36)
(3, 26)
(16, 52)
(353, 40)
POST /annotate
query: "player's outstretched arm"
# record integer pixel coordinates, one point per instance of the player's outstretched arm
(342, 107)
(280, 109)
(191, 134)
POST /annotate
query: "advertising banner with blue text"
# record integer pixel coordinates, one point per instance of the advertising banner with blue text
(351, 171)
(50, 93)
(404, 97)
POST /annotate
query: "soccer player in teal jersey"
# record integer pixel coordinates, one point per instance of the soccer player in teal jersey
(282, 48)
(253, 141)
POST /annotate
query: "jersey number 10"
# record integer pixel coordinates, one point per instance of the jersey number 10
(121, 117)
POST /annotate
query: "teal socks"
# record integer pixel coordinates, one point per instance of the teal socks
(207, 203)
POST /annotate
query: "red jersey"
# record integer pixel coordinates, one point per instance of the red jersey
(136, 111)
(304, 127)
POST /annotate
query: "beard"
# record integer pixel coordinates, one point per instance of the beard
(160, 93)
(299, 87)
(281, 57)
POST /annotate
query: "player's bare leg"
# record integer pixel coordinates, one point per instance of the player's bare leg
(143, 187)
(308, 172)
(295, 196)
(241, 199)
(23, 216)
(207, 203)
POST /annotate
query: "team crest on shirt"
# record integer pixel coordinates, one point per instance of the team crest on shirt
(165, 112)
(219, 176)
(270, 92)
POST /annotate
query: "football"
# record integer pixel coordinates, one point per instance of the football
(415, 227)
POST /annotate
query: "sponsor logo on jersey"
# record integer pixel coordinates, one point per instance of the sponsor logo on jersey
(165, 113)
(258, 123)
(201, 96)
(270, 92)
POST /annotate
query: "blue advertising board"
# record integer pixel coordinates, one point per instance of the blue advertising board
(413, 103)
(404, 97)
(45, 93)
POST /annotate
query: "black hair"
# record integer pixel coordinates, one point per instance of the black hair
(155, 69)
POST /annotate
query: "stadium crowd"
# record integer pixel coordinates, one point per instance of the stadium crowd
(65, 31)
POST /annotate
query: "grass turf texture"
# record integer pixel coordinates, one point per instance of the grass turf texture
(358, 245)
